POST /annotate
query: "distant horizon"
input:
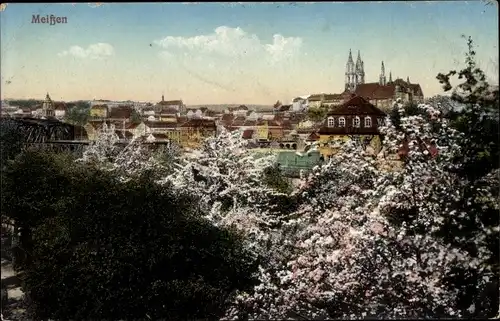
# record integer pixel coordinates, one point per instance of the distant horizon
(252, 52)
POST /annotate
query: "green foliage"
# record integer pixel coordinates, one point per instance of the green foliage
(105, 249)
(478, 121)
(316, 114)
(411, 110)
(274, 178)
(78, 113)
(11, 141)
(135, 118)
(25, 103)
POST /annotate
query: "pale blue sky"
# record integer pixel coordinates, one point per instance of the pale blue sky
(233, 53)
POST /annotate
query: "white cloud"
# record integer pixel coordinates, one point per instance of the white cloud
(233, 42)
(94, 51)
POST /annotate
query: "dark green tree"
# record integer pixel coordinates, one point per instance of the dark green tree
(11, 140)
(135, 118)
(316, 114)
(411, 110)
(478, 121)
(79, 113)
(100, 248)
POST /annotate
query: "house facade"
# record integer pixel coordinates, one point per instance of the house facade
(99, 111)
(355, 119)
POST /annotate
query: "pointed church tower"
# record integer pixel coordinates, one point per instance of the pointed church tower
(48, 107)
(408, 79)
(382, 80)
(350, 74)
(360, 72)
(390, 77)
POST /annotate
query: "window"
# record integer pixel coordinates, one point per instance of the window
(331, 122)
(342, 122)
(368, 121)
(356, 122)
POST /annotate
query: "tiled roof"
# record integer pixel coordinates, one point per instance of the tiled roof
(313, 136)
(160, 124)
(315, 97)
(121, 112)
(60, 106)
(273, 123)
(375, 91)
(237, 122)
(170, 103)
(160, 136)
(356, 106)
(199, 123)
(333, 96)
(248, 134)
(285, 107)
(131, 126)
(181, 119)
(286, 124)
(166, 110)
(227, 117)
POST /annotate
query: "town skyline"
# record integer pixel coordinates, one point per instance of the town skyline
(253, 53)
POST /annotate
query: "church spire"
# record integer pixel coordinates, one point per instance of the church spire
(408, 79)
(390, 76)
(350, 74)
(382, 78)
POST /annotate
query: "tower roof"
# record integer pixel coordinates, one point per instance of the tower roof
(350, 56)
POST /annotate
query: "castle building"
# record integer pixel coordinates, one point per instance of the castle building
(381, 94)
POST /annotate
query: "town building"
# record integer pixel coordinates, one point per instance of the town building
(164, 105)
(355, 119)
(99, 111)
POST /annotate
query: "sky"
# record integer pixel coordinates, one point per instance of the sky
(230, 53)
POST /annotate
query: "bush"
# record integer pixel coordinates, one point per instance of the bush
(104, 249)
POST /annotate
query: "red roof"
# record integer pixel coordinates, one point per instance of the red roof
(199, 123)
(167, 110)
(160, 136)
(120, 112)
(248, 134)
(160, 124)
(131, 126)
(171, 103)
(227, 117)
(357, 106)
(313, 136)
(60, 106)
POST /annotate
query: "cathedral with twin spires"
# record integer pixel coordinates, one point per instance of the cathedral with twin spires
(382, 93)
(355, 73)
